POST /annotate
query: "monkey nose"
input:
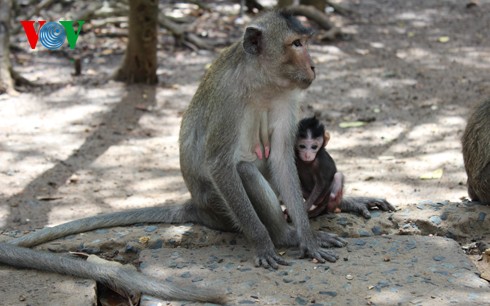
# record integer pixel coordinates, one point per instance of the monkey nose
(312, 68)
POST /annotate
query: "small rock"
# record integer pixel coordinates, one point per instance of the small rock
(342, 221)
(438, 258)
(329, 293)
(444, 216)
(363, 233)
(436, 220)
(301, 301)
(151, 228)
(186, 275)
(360, 242)
(158, 244)
(377, 230)
(349, 277)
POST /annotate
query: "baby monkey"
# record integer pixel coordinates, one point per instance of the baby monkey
(322, 185)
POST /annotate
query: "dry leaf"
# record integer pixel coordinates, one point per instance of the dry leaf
(436, 174)
(351, 124)
(144, 240)
(443, 39)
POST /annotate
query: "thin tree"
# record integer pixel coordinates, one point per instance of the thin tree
(6, 80)
(140, 60)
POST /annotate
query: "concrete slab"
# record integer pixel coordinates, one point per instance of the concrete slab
(30, 287)
(386, 270)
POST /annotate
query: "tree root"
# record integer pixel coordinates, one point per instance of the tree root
(182, 36)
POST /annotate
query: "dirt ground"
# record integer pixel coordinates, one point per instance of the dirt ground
(411, 71)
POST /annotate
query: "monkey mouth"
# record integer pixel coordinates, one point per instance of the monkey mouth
(305, 83)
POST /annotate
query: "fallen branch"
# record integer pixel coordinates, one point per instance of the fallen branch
(313, 14)
(339, 9)
(36, 11)
(181, 35)
(21, 81)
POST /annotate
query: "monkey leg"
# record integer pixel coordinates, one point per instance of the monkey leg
(117, 278)
(361, 205)
(267, 205)
(480, 187)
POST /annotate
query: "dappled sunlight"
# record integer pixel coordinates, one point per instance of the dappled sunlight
(432, 296)
(471, 57)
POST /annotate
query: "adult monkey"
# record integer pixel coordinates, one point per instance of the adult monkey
(476, 153)
(230, 188)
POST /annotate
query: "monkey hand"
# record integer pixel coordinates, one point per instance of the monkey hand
(314, 250)
(362, 205)
(269, 259)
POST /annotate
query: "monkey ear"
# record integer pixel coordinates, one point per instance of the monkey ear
(326, 138)
(252, 40)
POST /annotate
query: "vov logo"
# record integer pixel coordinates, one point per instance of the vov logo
(52, 34)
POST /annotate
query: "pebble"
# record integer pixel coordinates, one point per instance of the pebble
(481, 216)
(301, 301)
(246, 302)
(360, 242)
(186, 275)
(436, 220)
(438, 258)
(329, 293)
(363, 233)
(377, 230)
(154, 245)
(444, 216)
(131, 249)
(342, 221)
(151, 228)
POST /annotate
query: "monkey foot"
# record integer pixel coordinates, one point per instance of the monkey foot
(327, 240)
(270, 261)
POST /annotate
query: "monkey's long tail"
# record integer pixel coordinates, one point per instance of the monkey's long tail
(176, 213)
(118, 278)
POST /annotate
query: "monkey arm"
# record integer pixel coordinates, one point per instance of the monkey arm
(316, 200)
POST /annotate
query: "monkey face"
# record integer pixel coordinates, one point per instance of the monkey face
(307, 148)
(298, 67)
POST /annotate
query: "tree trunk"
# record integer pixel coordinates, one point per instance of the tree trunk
(6, 81)
(140, 61)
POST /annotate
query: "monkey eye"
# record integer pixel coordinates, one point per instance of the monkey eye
(297, 43)
(302, 146)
